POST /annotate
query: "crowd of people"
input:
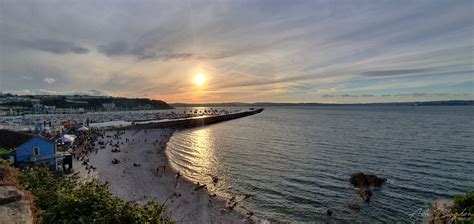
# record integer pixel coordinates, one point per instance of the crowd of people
(84, 145)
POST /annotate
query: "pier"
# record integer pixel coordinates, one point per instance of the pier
(191, 121)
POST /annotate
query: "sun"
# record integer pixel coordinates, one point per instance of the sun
(199, 79)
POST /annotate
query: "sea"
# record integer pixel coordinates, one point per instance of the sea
(295, 162)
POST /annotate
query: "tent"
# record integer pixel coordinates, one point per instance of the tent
(83, 128)
(67, 138)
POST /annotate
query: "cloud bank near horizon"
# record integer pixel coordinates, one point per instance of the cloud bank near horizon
(280, 51)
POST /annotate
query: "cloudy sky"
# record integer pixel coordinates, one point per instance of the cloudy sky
(249, 51)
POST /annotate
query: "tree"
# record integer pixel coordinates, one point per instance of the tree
(69, 200)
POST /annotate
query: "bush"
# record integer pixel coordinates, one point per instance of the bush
(464, 204)
(3, 161)
(68, 200)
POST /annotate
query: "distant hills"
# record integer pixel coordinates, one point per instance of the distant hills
(265, 104)
(81, 101)
(121, 103)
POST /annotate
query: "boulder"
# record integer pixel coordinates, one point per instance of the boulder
(366, 180)
(353, 206)
(14, 208)
(364, 193)
(329, 212)
(363, 182)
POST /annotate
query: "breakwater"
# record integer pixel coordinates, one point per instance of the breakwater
(192, 121)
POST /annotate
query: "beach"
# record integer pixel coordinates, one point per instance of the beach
(144, 174)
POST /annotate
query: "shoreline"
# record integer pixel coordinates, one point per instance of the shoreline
(140, 177)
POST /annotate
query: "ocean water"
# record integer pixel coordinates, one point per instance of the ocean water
(296, 161)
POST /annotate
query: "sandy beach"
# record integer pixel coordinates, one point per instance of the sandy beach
(144, 174)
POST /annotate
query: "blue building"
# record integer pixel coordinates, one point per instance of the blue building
(29, 149)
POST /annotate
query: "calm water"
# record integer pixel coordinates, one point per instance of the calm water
(296, 161)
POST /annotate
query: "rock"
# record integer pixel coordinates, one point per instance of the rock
(363, 182)
(329, 212)
(353, 206)
(247, 196)
(375, 181)
(366, 180)
(14, 208)
(364, 193)
(9, 196)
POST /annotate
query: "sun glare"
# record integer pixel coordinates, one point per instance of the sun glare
(199, 79)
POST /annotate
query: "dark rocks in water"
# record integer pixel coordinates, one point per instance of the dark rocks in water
(364, 193)
(353, 206)
(366, 180)
(247, 196)
(329, 212)
(363, 182)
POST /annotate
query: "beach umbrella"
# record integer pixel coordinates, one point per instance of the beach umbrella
(67, 138)
(83, 128)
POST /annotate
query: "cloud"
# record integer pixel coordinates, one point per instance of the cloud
(341, 96)
(395, 72)
(249, 50)
(35, 92)
(49, 80)
(170, 56)
(91, 92)
(52, 46)
(96, 92)
(120, 48)
(412, 95)
(430, 95)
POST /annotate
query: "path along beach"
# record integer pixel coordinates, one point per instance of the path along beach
(144, 173)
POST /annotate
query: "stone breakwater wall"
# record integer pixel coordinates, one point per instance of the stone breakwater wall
(193, 122)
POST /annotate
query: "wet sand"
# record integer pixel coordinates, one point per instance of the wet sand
(185, 203)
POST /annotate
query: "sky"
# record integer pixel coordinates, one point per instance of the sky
(330, 51)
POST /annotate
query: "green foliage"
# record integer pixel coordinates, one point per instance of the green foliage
(68, 200)
(4, 151)
(464, 204)
(3, 161)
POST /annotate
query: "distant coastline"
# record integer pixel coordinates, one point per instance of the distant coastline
(263, 104)
(12, 105)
